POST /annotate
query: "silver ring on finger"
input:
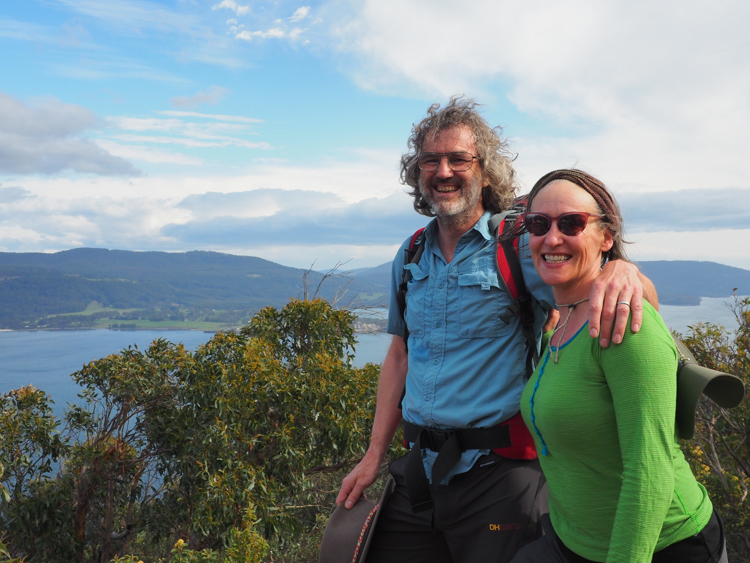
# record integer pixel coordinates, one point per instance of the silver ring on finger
(623, 303)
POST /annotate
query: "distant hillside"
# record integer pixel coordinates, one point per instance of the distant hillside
(88, 287)
(34, 286)
(684, 282)
(678, 282)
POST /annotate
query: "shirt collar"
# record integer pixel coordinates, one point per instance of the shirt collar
(482, 226)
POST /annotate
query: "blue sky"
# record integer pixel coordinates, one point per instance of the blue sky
(274, 129)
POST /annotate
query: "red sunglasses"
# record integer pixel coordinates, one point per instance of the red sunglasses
(570, 224)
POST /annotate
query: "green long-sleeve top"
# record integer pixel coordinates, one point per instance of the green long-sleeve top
(619, 486)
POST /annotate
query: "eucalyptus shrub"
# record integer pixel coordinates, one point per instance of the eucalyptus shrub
(720, 451)
(170, 450)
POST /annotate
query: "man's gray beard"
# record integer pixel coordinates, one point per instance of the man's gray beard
(455, 212)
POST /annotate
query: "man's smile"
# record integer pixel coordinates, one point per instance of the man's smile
(446, 188)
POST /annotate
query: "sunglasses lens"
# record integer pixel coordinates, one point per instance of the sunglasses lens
(572, 224)
(537, 225)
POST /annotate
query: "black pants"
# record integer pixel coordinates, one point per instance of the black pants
(483, 515)
(707, 546)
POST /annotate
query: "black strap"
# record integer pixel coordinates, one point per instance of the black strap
(413, 254)
(449, 444)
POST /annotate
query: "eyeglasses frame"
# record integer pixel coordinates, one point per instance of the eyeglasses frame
(446, 155)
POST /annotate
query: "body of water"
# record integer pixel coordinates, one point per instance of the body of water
(711, 310)
(46, 359)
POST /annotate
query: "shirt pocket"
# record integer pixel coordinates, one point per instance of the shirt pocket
(481, 296)
(416, 300)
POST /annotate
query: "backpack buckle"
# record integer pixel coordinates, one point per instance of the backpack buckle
(512, 311)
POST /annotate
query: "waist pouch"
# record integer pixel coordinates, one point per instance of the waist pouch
(509, 439)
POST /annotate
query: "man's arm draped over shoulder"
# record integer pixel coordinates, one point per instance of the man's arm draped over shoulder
(387, 419)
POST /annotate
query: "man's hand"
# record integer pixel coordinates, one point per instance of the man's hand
(387, 418)
(552, 317)
(361, 477)
(617, 291)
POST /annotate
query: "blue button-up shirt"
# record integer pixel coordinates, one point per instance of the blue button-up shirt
(466, 364)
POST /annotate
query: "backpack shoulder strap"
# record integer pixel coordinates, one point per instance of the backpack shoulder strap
(509, 267)
(413, 253)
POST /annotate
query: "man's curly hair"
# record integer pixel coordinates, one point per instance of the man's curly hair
(494, 157)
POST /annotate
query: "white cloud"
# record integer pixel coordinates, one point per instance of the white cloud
(46, 137)
(300, 14)
(23, 31)
(134, 15)
(295, 33)
(330, 212)
(648, 95)
(100, 67)
(145, 123)
(145, 153)
(219, 131)
(237, 118)
(273, 33)
(145, 20)
(232, 5)
(212, 95)
(12, 194)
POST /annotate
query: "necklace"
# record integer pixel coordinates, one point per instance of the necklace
(570, 306)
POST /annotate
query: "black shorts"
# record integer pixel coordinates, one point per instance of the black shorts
(485, 514)
(707, 546)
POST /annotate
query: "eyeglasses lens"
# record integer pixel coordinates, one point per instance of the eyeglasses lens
(570, 224)
(537, 225)
(458, 161)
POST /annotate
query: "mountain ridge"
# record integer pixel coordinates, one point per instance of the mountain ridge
(35, 287)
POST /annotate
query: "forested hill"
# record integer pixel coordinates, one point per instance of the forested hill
(684, 282)
(678, 282)
(167, 286)
(89, 287)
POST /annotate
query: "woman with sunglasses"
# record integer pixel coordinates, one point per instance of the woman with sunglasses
(603, 419)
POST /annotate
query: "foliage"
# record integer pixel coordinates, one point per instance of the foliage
(720, 451)
(173, 448)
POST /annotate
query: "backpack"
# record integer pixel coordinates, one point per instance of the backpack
(509, 267)
(694, 380)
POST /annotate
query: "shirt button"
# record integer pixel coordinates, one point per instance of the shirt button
(427, 397)
(441, 285)
(436, 362)
(438, 324)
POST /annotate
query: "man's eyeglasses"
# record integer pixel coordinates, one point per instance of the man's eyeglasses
(458, 161)
(570, 224)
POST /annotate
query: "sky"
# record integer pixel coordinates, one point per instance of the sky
(274, 128)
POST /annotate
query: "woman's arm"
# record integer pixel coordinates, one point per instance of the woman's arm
(641, 375)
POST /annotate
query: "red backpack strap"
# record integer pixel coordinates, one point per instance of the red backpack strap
(509, 267)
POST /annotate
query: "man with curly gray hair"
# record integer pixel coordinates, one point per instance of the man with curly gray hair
(471, 488)
(492, 152)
